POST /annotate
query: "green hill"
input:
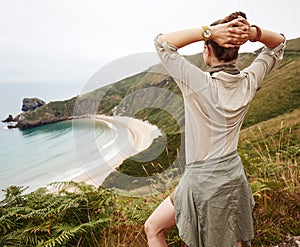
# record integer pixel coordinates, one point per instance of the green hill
(279, 94)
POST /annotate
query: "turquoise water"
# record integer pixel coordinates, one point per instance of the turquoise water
(39, 156)
(80, 150)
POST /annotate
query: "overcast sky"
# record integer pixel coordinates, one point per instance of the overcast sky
(69, 40)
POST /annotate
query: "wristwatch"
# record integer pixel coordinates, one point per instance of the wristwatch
(206, 33)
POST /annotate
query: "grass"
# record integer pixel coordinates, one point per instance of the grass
(271, 152)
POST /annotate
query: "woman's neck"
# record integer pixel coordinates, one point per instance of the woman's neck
(226, 67)
(213, 61)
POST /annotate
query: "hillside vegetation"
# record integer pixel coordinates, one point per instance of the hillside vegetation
(279, 94)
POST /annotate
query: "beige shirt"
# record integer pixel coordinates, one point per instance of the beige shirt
(215, 105)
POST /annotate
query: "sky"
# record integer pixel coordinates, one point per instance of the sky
(69, 40)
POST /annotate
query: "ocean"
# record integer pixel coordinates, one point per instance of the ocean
(12, 94)
(38, 156)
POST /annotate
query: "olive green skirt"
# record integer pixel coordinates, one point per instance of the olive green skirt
(213, 203)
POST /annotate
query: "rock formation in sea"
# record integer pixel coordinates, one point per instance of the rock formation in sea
(30, 104)
(9, 119)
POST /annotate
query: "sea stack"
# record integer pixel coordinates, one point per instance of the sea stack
(29, 104)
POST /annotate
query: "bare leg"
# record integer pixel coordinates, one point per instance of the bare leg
(162, 219)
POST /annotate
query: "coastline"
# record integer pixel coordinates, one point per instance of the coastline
(133, 136)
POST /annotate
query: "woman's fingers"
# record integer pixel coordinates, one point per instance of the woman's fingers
(233, 34)
(239, 31)
(230, 45)
(239, 22)
(239, 25)
(238, 40)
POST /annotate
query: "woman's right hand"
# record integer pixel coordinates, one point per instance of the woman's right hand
(231, 34)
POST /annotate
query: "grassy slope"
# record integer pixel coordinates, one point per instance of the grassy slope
(266, 129)
(270, 151)
(279, 94)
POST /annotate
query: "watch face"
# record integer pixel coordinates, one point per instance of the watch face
(207, 33)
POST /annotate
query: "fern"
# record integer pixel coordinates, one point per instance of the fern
(73, 216)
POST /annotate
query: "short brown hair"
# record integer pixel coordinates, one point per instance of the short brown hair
(222, 53)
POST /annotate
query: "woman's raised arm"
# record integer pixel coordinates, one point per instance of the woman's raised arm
(231, 34)
(269, 38)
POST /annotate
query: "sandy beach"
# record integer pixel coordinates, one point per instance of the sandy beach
(129, 137)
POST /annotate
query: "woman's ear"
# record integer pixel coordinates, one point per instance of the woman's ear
(209, 50)
(205, 47)
(207, 54)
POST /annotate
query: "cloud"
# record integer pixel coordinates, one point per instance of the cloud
(70, 39)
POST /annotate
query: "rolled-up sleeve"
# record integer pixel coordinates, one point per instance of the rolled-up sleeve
(187, 76)
(266, 61)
